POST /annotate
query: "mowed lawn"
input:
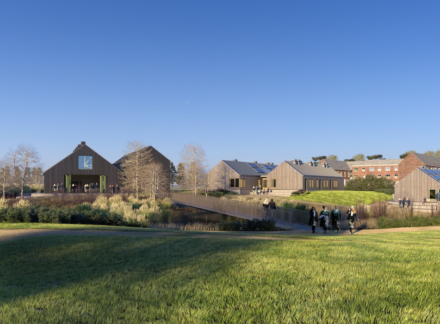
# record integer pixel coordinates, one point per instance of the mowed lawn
(342, 197)
(338, 279)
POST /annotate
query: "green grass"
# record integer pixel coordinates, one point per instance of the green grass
(344, 198)
(347, 279)
(74, 227)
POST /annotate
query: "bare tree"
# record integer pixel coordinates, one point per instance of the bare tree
(194, 160)
(37, 177)
(5, 175)
(134, 167)
(180, 176)
(25, 158)
(156, 179)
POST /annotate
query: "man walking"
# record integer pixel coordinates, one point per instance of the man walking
(272, 207)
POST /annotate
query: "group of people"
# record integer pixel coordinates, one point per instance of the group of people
(405, 201)
(93, 187)
(269, 208)
(58, 187)
(334, 218)
(256, 190)
(113, 189)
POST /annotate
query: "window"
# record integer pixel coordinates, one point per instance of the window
(371, 168)
(355, 176)
(396, 168)
(379, 176)
(387, 168)
(310, 183)
(431, 194)
(237, 183)
(85, 162)
(387, 176)
(265, 183)
(396, 176)
(355, 169)
(379, 168)
(363, 169)
(232, 183)
(274, 183)
(335, 183)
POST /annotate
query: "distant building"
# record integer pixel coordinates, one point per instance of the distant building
(340, 167)
(85, 166)
(419, 184)
(239, 177)
(415, 160)
(386, 168)
(295, 175)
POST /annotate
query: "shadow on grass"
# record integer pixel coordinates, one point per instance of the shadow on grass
(37, 265)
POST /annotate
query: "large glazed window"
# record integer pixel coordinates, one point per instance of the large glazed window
(85, 162)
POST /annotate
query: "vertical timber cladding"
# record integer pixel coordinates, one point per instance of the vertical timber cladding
(69, 167)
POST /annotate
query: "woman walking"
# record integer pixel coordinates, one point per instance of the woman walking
(351, 218)
(323, 219)
(336, 219)
(313, 219)
(266, 208)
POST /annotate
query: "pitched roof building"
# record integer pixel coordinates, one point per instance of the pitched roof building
(419, 184)
(414, 160)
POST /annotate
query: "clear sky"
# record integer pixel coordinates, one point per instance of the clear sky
(251, 80)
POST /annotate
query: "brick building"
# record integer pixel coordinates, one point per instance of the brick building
(388, 169)
(415, 160)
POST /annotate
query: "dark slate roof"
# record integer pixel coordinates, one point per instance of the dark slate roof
(319, 170)
(338, 165)
(428, 160)
(244, 169)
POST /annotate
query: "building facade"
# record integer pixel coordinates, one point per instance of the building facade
(388, 169)
(419, 184)
(340, 167)
(84, 168)
(415, 160)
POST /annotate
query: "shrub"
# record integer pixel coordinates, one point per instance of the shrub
(115, 199)
(166, 203)
(100, 203)
(22, 203)
(248, 225)
(416, 221)
(369, 183)
(3, 203)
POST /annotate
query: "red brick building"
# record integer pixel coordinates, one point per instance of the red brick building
(388, 169)
(415, 160)
(340, 167)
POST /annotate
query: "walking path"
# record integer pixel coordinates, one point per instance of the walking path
(11, 234)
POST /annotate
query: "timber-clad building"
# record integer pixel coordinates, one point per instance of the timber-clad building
(84, 166)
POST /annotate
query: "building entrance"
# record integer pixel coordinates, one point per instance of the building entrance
(85, 183)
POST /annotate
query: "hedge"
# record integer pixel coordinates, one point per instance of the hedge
(416, 221)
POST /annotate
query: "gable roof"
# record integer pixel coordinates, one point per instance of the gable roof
(434, 174)
(428, 160)
(308, 170)
(375, 162)
(77, 149)
(244, 169)
(338, 165)
(119, 162)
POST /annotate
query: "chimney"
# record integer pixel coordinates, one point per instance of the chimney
(255, 162)
(83, 143)
(235, 160)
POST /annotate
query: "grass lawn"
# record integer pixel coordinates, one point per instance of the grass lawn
(344, 198)
(118, 279)
(74, 227)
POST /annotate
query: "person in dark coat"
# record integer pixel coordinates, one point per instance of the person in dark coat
(351, 218)
(313, 219)
(404, 202)
(336, 219)
(408, 202)
(272, 207)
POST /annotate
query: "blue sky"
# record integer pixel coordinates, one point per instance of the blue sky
(252, 80)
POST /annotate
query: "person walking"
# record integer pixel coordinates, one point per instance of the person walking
(272, 207)
(313, 219)
(408, 202)
(324, 217)
(400, 202)
(403, 201)
(266, 208)
(351, 218)
(336, 219)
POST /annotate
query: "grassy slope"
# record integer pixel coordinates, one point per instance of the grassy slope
(74, 227)
(344, 198)
(391, 277)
